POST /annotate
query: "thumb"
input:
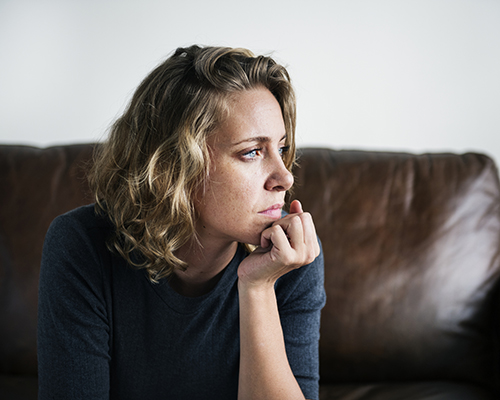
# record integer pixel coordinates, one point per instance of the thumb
(295, 207)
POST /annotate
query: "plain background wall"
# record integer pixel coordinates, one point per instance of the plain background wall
(415, 75)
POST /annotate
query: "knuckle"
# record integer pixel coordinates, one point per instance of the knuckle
(288, 259)
(311, 255)
(276, 229)
(306, 216)
(309, 260)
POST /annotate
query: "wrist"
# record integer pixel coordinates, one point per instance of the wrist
(256, 290)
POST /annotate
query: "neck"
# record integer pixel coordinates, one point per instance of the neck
(206, 264)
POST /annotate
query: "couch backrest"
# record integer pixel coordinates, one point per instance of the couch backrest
(411, 246)
(36, 186)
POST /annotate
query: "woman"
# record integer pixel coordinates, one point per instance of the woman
(155, 292)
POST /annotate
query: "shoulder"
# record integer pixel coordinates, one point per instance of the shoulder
(84, 217)
(76, 240)
(75, 225)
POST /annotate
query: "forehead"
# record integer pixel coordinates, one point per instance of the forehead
(251, 115)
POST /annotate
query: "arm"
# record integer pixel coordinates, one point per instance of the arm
(265, 371)
(73, 328)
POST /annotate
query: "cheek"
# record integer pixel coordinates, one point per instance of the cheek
(232, 187)
(235, 182)
(232, 196)
(244, 191)
(229, 202)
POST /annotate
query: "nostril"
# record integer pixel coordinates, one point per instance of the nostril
(281, 180)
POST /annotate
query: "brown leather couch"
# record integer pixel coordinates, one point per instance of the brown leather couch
(412, 264)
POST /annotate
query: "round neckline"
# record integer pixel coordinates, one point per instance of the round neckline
(186, 305)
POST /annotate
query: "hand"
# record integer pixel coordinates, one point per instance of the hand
(289, 243)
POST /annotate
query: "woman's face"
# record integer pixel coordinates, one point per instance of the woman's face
(245, 190)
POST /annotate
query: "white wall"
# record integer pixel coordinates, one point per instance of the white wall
(416, 75)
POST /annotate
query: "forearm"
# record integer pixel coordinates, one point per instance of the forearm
(264, 369)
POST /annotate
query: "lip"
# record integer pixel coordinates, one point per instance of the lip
(274, 211)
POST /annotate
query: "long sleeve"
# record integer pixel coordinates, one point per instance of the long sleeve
(301, 296)
(105, 331)
(73, 320)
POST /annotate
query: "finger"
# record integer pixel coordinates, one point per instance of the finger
(310, 236)
(293, 228)
(295, 207)
(274, 237)
(281, 251)
(265, 239)
(268, 237)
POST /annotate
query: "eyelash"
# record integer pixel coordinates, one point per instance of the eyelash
(283, 150)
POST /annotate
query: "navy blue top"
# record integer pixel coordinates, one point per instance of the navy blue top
(105, 331)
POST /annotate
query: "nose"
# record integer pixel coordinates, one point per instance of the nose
(280, 178)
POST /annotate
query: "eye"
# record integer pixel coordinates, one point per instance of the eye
(283, 150)
(252, 153)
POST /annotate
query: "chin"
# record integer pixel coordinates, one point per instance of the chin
(253, 237)
(254, 240)
(250, 240)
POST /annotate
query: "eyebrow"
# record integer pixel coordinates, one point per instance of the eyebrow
(260, 139)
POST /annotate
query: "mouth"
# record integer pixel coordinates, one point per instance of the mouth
(274, 211)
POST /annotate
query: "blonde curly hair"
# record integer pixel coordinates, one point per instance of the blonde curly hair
(146, 174)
